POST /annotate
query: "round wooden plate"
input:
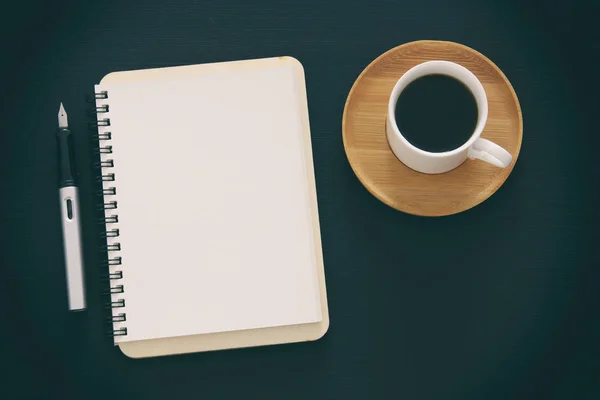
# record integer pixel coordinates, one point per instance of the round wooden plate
(388, 179)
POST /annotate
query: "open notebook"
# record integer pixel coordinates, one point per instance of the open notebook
(210, 207)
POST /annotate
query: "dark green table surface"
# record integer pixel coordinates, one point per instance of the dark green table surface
(500, 302)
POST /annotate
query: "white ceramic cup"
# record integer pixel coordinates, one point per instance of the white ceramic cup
(474, 148)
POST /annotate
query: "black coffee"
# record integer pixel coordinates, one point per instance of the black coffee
(436, 113)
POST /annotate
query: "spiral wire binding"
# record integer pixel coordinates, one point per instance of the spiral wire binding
(110, 236)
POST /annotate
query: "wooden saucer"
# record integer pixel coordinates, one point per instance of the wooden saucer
(388, 179)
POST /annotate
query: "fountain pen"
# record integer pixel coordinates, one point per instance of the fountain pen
(69, 207)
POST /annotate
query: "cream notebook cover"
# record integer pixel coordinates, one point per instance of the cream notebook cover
(211, 214)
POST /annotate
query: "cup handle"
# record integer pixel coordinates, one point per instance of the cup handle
(489, 152)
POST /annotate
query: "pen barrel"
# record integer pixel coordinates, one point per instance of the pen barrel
(69, 206)
(66, 158)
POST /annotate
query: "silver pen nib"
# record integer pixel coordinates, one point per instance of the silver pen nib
(63, 122)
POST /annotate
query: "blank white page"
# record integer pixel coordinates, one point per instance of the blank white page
(212, 199)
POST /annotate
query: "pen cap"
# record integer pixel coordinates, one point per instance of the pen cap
(66, 158)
